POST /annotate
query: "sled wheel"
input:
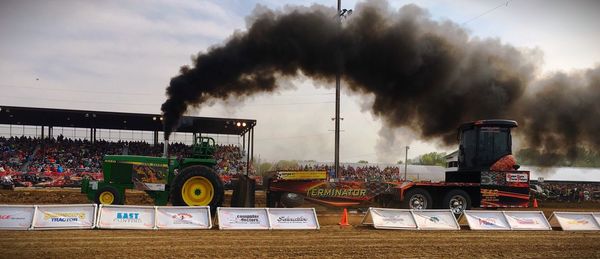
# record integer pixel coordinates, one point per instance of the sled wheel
(417, 199)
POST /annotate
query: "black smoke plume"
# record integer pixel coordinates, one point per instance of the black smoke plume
(426, 75)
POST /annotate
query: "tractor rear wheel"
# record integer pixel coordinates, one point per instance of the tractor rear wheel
(197, 186)
(108, 195)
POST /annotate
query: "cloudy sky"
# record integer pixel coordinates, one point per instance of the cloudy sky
(119, 56)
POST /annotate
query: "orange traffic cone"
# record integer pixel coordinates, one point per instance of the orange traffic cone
(344, 220)
(535, 204)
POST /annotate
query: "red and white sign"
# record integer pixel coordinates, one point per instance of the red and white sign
(572, 221)
(72, 216)
(293, 218)
(435, 220)
(243, 218)
(527, 220)
(183, 217)
(126, 217)
(486, 220)
(382, 218)
(517, 178)
(16, 217)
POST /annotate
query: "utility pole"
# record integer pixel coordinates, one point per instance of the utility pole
(406, 162)
(337, 95)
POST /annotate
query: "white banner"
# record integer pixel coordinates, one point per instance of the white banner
(243, 218)
(390, 219)
(435, 220)
(64, 216)
(596, 217)
(126, 217)
(527, 220)
(17, 217)
(183, 217)
(486, 220)
(575, 220)
(293, 218)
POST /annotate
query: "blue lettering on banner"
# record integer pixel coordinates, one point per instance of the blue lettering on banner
(128, 217)
(64, 219)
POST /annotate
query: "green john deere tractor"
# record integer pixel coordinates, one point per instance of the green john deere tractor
(182, 181)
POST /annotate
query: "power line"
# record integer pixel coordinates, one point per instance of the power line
(130, 93)
(144, 104)
(78, 101)
(72, 90)
(293, 137)
(487, 12)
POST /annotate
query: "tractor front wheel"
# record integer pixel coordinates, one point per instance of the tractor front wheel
(108, 195)
(197, 186)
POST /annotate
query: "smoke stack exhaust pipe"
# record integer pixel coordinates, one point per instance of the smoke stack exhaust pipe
(166, 148)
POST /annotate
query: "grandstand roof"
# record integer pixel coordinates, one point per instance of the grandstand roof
(119, 120)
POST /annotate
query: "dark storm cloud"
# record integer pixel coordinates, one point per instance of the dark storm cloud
(426, 75)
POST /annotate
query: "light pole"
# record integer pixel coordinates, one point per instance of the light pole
(406, 162)
(337, 96)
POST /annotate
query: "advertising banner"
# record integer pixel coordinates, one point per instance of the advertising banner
(435, 220)
(73, 216)
(504, 189)
(486, 220)
(243, 218)
(149, 177)
(16, 217)
(183, 217)
(527, 220)
(390, 219)
(126, 217)
(596, 216)
(572, 221)
(302, 175)
(293, 218)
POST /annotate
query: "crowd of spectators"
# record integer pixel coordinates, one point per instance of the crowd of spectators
(570, 192)
(68, 160)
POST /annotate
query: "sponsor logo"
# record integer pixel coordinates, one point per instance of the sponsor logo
(434, 219)
(64, 216)
(328, 193)
(487, 221)
(247, 218)
(577, 222)
(394, 219)
(128, 217)
(287, 219)
(10, 217)
(182, 218)
(526, 221)
(516, 178)
(302, 175)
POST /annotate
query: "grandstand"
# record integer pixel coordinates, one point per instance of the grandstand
(37, 149)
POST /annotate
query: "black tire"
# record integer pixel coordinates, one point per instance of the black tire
(457, 200)
(417, 199)
(187, 173)
(273, 199)
(118, 199)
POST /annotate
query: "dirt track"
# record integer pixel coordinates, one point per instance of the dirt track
(330, 241)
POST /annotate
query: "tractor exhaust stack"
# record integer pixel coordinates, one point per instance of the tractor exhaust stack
(166, 149)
